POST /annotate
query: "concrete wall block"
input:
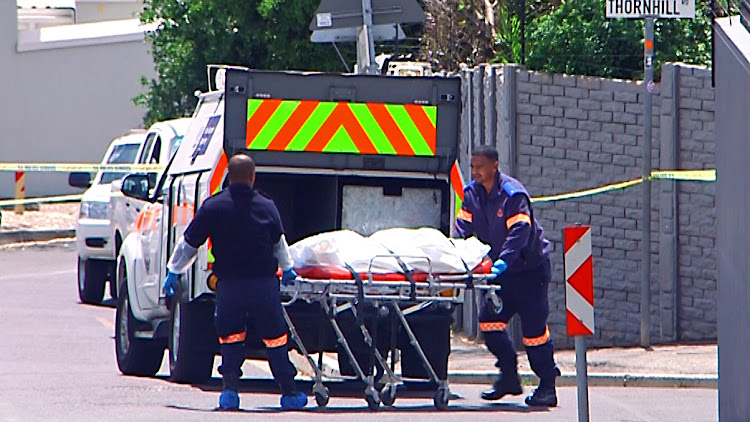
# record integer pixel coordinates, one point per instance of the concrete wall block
(533, 129)
(562, 162)
(590, 146)
(691, 103)
(566, 123)
(553, 152)
(586, 104)
(555, 132)
(601, 116)
(613, 128)
(626, 97)
(530, 150)
(522, 75)
(627, 118)
(523, 97)
(566, 143)
(541, 100)
(524, 119)
(613, 106)
(600, 157)
(579, 134)
(577, 155)
(613, 211)
(554, 90)
(623, 160)
(540, 78)
(589, 82)
(544, 141)
(575, 113)
(542, 121)
(704, 94)
(589, 125)
(527, 109)
(635, 108)
(564, 102)
(601, 95)
(529, 88)
(552, 111)
(690, 82)
(612, 148)
(576, 92)
(708, 106)
(564, 80)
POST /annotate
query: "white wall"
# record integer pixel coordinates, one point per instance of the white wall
(96, 11)
(64, 104)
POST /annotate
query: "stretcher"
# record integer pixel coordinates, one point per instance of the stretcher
(395, 295)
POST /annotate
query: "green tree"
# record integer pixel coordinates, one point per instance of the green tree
(259, 34)
(577, 38)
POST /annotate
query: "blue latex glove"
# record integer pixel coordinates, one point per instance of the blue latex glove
(288, 277)
(498, 268)
(170, 283)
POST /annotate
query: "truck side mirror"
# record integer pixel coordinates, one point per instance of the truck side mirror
(80, 179)
(136, 186)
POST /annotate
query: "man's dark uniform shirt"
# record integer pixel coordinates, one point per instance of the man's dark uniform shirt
(504, 220)
(244, 226)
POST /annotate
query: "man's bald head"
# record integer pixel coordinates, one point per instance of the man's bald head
(241, 169)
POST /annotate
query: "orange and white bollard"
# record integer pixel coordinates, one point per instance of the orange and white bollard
(20, 191)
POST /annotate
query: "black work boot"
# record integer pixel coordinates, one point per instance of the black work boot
(544, 395)
(505, 384)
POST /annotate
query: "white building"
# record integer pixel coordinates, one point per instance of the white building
(69, 72)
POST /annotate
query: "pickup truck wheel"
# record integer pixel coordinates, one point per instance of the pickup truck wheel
(135, 356)
(192, 342)
(92, 276)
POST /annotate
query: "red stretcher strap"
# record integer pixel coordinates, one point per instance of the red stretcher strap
(324, 272)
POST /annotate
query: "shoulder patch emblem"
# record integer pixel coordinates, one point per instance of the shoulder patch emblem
(500, 213)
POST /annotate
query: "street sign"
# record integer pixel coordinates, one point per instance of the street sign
(334, 14)
(579, 280)
(639, 9)
(379, 33)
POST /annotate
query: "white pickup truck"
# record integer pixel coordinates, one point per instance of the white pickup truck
(306, 133)
(106, 216)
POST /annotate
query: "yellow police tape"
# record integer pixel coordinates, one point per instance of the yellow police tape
(66, 167)
(686, 175)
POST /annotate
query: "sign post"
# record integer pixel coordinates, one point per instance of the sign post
(648, 10)
(579, 303)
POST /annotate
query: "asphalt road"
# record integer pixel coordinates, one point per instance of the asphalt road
(57, 363)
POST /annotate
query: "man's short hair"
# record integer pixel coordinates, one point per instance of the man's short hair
(241, 167)
(486, 151)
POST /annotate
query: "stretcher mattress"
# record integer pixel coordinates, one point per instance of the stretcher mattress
(424, 251)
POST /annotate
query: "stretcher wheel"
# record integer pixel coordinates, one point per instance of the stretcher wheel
(388, 395)
(321, 397)
(442, 395)
(372, 398)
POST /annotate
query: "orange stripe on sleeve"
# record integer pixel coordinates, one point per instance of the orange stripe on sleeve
(518, 218)
(464, 215)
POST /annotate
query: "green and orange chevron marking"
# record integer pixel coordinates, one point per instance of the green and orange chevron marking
(341, 127)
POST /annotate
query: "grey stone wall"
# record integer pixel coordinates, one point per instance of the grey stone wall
(559, 134)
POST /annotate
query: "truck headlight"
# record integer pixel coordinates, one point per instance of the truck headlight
(94, 210)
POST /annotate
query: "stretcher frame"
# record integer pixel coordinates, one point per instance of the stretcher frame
(338, 295)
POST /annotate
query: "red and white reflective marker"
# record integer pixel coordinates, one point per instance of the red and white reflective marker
(579, 302)
(579, 281)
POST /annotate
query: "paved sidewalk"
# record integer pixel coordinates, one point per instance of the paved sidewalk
(662, 366)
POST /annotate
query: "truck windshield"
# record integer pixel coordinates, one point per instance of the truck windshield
(121, 154)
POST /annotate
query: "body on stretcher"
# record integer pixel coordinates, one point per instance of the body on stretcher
(391, 295)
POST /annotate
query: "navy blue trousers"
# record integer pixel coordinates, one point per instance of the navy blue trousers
(523, 293)
(238, 301)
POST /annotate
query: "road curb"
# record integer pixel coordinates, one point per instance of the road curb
(597, 379)
(20, 236)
